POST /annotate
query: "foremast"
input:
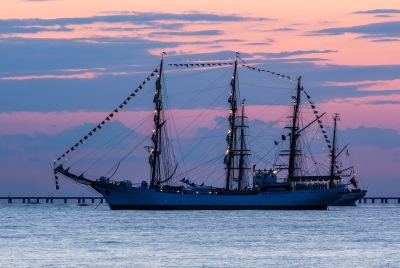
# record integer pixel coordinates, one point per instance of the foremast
(155, 151)
(231, 137)
(294, 135)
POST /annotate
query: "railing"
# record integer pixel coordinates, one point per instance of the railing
(384, 200)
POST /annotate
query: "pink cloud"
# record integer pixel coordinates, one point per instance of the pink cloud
(85, 75)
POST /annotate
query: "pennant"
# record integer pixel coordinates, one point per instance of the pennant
(108, 118)
(125, 102)
(72, 149)
(103, 122)
(57, 187)
(186, 65)
(308, 97)
(77, 144)
(133, 95)
(90, 134)
(152, 74)
(94, 130)
(63, 155)
(144, 82)
(136, 90)
(98, 126)
(321, 126)
(319, 121)
(155, 71)
(121, 106)
(180, 64)
(323, 131)
(312, 106)
(326, 136)
(311, 102)
(116, 110)
(148, 78)
(275, 142)
(67, 152)
(58, 159)
(283, 137)
(86, 137)
(328, 141)
(315, 112)
(111, 115)
(81, 141)
(140, 87)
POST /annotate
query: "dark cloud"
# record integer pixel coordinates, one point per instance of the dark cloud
(388, 29)
(386, 40)
(383, 16)
(384, 102)
(380, 137)
(259, 44)
(285, 54)
(190, 33)
(283, 30)
(136, 18)
(378, 11)
(32, 29)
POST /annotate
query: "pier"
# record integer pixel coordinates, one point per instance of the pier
(384, 200)
(80, 200)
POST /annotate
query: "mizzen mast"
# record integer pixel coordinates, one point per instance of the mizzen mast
(336, 118)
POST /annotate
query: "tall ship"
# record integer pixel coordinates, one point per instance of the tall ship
(230, 170)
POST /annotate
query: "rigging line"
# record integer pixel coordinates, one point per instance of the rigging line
(187, 154)
(194, 91)
(93, 165)
(189, 60)
(199, 115)
(175, 128)
(270, 106)
(215, 112)
(140, 123)
(202, 92)
(257, 85)
(105, 129)
(204, 71)
(115, 170)
(272, 76)
(192, 169)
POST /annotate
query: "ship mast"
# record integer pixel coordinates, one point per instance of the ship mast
(229, 157)
(294, 134)
(336, 118)
(242, 149)
(154, 158)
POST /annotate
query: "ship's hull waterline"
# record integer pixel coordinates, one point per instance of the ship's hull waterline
(350, 198)
(121, 197)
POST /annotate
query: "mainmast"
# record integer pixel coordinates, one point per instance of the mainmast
(242, 151)
(229, 157)
(154, 158)
(294, 134)
(336, 118)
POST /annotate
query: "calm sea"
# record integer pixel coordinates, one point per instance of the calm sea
(67, 235)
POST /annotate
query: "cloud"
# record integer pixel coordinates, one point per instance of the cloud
(189, 33)
(388, 29)
(283, 30)
(378, 11)
(380, 137)
(369, 85)
(286, 54)
(383, 16)
(385, 40)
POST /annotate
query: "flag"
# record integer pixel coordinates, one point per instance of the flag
(283, 137)
(354, 182)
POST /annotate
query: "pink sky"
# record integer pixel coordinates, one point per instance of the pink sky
(290, 27)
